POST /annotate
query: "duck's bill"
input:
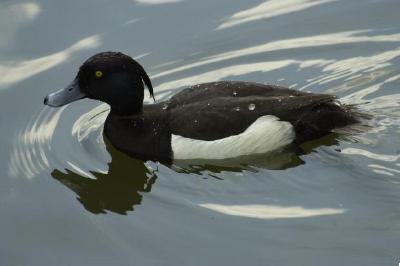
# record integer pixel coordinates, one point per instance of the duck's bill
(64, 96)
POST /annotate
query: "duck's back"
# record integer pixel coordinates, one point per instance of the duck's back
(230, 89)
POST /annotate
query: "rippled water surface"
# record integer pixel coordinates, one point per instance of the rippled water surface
(68, 198)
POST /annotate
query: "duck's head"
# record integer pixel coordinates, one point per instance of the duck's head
(110, 77)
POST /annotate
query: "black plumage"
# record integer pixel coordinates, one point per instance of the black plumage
(208, 111)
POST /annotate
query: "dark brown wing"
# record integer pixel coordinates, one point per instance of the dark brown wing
(234, 89)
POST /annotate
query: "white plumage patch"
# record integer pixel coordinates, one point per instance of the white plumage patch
(265, 135)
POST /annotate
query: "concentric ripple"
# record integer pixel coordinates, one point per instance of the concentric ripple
(32, 146)
(40, 146)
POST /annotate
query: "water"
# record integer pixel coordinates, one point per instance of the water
(68, 198)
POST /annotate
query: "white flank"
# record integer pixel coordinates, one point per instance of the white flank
(266, 134)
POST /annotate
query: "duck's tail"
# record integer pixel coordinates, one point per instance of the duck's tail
(329, 117)
(362, 122)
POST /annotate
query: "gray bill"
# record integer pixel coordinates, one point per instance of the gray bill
(64, 96)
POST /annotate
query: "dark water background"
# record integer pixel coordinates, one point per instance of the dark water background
(67, 198)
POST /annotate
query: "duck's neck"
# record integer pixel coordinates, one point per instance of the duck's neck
(128, 108)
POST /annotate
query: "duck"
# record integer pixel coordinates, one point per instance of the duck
(215, 120)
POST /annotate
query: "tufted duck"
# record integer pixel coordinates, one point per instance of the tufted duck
(215, 120)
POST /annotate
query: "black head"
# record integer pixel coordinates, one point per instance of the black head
(110, 77)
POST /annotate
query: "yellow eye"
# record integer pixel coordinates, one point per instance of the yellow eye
(99, 74)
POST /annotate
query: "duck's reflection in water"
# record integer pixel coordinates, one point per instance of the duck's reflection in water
(121, 188)
(117, 191)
